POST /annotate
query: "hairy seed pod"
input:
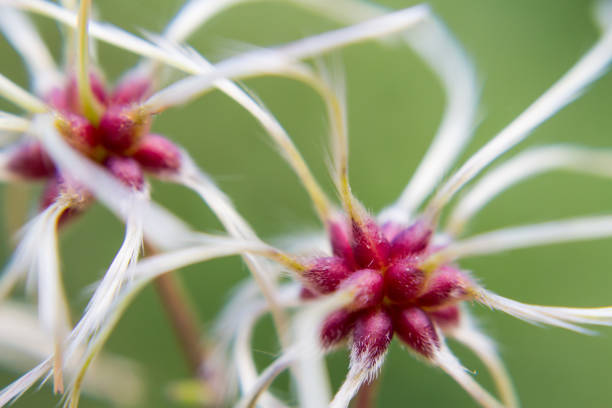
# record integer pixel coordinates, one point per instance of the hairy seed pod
(340, 242)
(415, 328)
(336, 326)
(122, 127)
(367, 286)
(370, 247)
(371, 336)
(403, 281)
(446, 317)
(157, 154)
(29, 160)
(411, 240)
(79, 133)
(325, 274)
(448, 285)
(127, 170)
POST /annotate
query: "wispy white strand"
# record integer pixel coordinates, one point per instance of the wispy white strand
(193, 15)
(471, 336)
(112, 281)
(24, 37)
(526, 165)
(280, 59)
(26, 342)
(313, 388)
(547, 233)
(445, 359)
(143, 273)
(437, 46)
(588, 69)
(312, 380)
(245, 366)
(102, 31)
(52, 303)
(433, 42)
(20, 97)
(265, 379)
(191, 176)
(566, 318)
(13, 123)
(13, 391)
(25, 253)
(359, 373)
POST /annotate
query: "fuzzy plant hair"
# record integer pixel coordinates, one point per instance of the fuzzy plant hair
(364, 280)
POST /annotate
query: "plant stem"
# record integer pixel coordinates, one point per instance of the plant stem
(366, 397)
(182, 316)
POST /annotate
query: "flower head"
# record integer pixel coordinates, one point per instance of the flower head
(396, 274)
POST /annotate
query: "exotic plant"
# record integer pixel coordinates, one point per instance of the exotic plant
(395, 274)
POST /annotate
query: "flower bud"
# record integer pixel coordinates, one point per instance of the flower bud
(78, 132)
(127, 170)
(370, 247)
(325, 274)
(122, 127)
(336, 326)
(446, 317)
(403, 281)
(390, 230)
(371, 336)
(157, 154)
(30, 161)
(415, 329)
(340, 242)
(411, 240)
(367, 286)
(446, 286)
(132, 89)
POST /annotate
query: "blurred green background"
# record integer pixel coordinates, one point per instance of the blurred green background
(520, 48)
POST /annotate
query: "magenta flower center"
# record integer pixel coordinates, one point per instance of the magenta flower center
(392, 294)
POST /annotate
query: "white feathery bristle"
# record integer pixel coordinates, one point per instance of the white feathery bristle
(141, 274)
(26, 342)
(25, 254)
(53, 309)
(304, 353)
(564, 317)
(245, 365)
(257, 391)
(526, 236)
(468, 334)
(266, 61)
(445, 359)
(20, 97)
(102, 31)
(113, 280)
(193, 15)
(437, 46)
(525, 165)
(24, 37)
(14, 390)
(191, 176)
(361, 371)
(311, 377)
(588, 69)
(13, 123)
